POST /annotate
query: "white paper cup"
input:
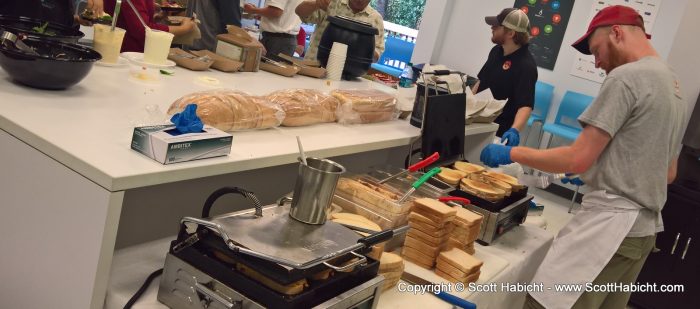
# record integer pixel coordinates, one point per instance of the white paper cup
(335, 67)
(339, 49)
(157, 46)
(107, 42)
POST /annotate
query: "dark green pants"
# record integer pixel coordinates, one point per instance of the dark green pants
(624, 267)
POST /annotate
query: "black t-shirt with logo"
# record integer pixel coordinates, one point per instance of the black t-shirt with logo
(511, 78)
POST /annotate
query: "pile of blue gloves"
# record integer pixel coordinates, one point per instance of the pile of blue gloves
(187, 121)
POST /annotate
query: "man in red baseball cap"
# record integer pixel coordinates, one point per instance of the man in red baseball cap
(626, 153)
(608, 21)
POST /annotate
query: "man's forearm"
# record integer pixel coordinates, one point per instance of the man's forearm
(554, 160)
(521, 118)
(268, 11)
(306, 8)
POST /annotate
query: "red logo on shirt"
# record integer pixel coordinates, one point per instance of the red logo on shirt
(506, 65)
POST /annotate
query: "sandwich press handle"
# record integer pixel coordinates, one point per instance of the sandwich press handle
(361, 261)
(376, 238)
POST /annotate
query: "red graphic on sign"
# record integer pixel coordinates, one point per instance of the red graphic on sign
(556, 18)
(524, 9)
(506, 65)
(535, 31)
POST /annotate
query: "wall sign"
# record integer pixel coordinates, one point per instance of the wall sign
(584, 65)
(548, 21)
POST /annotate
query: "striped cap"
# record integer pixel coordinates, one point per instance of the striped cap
(511, 18)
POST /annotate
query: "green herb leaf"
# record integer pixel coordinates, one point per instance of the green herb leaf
(41, 29)
(164, 72)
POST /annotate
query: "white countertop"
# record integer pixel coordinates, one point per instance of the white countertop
(88, 127)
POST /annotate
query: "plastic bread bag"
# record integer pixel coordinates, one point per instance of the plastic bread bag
(231, 110)
(305, 106)
(365, 106)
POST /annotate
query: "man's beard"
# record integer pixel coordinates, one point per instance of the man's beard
(615, 58)
(498, 39)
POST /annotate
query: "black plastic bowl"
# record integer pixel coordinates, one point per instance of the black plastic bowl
(54, 32)
(358, 36)
(47, 71)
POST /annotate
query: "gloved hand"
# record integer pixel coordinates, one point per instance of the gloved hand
(494, 155)
(512, 136)
(576, 181)
(187, 121)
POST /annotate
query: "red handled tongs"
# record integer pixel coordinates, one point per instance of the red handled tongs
(425, 162)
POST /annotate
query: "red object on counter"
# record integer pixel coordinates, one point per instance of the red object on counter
(455, 199)
(135, 37)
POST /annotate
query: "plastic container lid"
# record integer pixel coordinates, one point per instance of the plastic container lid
(352, 24)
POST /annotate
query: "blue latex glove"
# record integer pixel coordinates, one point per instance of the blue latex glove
(187, 121)
(512, 136)
(494, 155)
(574, 181)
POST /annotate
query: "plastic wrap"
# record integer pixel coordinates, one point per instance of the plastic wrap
(231, 110)
(305, 106)
(365, 106)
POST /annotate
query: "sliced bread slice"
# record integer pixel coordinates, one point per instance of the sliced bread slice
(461, 260)
(434, 210)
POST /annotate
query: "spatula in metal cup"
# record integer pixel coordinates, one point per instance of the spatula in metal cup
(425, 162)
(419, 183)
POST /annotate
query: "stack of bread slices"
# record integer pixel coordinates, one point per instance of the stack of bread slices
(391, 266)
(466, 228)
(429, 231)
(456, 265)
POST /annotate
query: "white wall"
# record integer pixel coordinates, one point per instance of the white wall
(466, 41)
(683, 56)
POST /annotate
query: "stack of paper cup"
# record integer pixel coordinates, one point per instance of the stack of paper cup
(336, 61)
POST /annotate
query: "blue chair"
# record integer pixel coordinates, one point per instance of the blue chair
(543, 100)
(566, 124)
(397, 54)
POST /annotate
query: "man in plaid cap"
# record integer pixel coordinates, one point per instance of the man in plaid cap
(510, 72)
(627, 153)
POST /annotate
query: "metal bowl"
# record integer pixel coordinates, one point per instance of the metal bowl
(57, 66)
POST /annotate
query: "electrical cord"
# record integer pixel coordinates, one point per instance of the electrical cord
(143, 288)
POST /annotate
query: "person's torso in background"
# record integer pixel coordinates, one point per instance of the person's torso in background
(341, 8)
(502, 77)
(55, 11)
(635, 162)
(210, 24)
(288, 23)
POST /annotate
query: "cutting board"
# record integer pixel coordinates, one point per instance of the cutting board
(493, 265)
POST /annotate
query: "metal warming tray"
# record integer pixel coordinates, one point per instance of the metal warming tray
(278, 238)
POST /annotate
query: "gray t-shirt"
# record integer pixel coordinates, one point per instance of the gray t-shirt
(641, 107)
